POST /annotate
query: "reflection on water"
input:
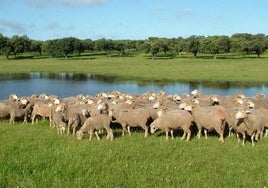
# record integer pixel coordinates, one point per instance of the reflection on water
(71, 84)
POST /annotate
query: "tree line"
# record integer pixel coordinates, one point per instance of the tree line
(239, 43)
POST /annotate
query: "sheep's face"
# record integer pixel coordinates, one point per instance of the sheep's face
(13, 97)
(79, 135)
(195, 92)
(250, 104)
(242, 114)
(60, 108)
(152, 128)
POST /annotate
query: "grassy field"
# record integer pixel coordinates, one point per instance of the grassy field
(36, 156)
(143, 68)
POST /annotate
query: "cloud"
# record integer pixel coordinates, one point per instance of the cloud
(16, 27)
(44, 3)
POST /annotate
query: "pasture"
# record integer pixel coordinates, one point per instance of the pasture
(36, 156)
(143, 68)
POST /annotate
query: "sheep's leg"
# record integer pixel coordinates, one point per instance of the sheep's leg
(124, 129)
(266, 132)
(221, 137)
(171, 133)
(206, 133)
(183, 136)
(25, 119)
(90, 135)
(70, 122)
(199, 133)
(33, 117)
(166, 134)
(188, 135)
(128, 130)
(146, 131)
(244, 138)
(96, 133)
(252, 138)
(110, 134)
(238, 137)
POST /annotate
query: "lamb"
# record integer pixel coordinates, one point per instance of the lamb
(209, 118)
(19, 113)
(172, 120)
(128, 118)
(95, 123)
(252, 122)
(59, 121)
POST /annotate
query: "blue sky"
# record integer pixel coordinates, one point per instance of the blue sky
(131, 19)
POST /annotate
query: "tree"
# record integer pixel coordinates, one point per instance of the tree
(36, 46)
(193, 44)
(257, 44)
(19, 44)
(180, 45)
(119, 46)
(240, 42)
(88, 44)
(105, 45)
(215, 45)
(5, 46)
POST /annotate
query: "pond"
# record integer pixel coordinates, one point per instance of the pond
(70, 84)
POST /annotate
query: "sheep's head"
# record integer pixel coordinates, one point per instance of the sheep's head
(79, 135)
(60, 108)
(195, 92)
(154, 125)
(242, 114)
(250, 104)
(13, 97)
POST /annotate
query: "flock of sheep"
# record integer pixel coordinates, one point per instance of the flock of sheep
(246, 116)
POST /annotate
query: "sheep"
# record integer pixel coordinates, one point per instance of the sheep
(172, 120)
(209, 118)
(128, 118)
(6, 106)
(76, 114)
(59, 122)
(95, 123)
(252, 122)
(43, 110)
(19, 113)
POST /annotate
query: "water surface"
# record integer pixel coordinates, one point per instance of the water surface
(70, 84)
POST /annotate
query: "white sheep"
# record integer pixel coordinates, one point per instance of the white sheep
(252, 122)
(128, 118)
(95, 123)
(209, 118)
(172, 120)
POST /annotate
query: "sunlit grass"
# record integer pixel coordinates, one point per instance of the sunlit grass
(36, 156)
(143, 68)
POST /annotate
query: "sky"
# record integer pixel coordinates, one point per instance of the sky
(131, 19)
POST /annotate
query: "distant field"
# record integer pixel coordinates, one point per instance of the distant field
(142, 67)
(35, 156)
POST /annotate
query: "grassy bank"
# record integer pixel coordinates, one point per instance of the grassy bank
(35, 156)
(144, 68)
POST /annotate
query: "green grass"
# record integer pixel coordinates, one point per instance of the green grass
(36, 156)
(143, 68)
